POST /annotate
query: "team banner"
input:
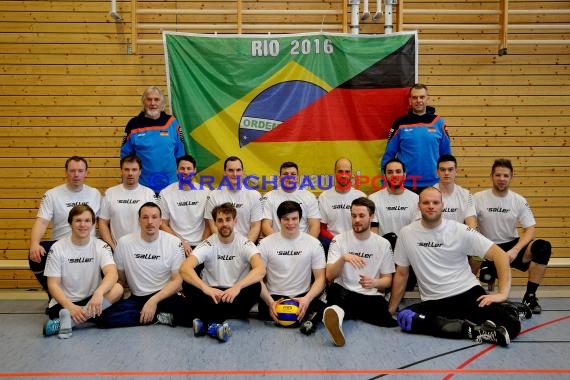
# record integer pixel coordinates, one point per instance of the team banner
(308, 98)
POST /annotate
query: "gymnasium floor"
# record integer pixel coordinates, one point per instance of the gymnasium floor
(258, 350)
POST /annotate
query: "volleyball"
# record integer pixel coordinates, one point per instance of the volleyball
(287, 310)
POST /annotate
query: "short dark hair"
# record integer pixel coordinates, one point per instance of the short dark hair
(130, 159)
(363, 201)
(288, 164)
(76, 159)
(419, 86)
(152, 205)
(391, 160)
(232, 158)
(502, 163)
(287, 207)
(224, 208)
(446, 158)
(78, 210)
(188, 158)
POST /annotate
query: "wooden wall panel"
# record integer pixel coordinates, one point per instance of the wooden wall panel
(69, 83)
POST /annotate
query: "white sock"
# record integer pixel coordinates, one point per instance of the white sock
(65, 324)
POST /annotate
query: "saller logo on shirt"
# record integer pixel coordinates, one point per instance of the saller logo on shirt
(128, 201)
(449, 209)
(343, 207)
(73, 204)
(289, 253)
(146, 256)
(430, 244)
(498, 209)
(80, 260)
(396, 208)
(226, 257)
(187, 203)
(361, 254)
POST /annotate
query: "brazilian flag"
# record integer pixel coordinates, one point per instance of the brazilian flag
(309, 98)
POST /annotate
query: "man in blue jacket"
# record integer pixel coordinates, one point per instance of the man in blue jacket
(418, 139)
(156, 138)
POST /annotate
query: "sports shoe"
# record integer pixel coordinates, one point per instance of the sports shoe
(518, 310)
(332, 319)
(199, 327)
(532, 302)
(65, 324)
(165, 319)
(307, 328)
(488, 332)
(219, 331)
(51, 327)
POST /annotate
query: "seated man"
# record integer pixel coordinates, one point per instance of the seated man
(454, 304)
(290, 257)
(54, 208)
(183, 205)
(230, 283)
(148, 262)
(499, 211)
(360, 267)
(73, 270)
(120, 204)
(246, 201)
(334, 203)
(310, 220)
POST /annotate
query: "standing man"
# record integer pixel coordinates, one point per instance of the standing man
(148, 262)
(230, 283)
(183, 205)
(120, 205)
(458, 202)
(499, 211)
(334, 203)
(453, 302)
(74, 267)
(291, 257)
(360, 268)
(246, 201)
(156, 138)
(54, 208)
(418, 139)
(310, 218)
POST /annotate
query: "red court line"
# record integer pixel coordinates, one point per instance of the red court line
(486, 350)
(293, 372)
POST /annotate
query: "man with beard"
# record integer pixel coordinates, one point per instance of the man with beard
(499, 211)
(230, 282)
(453, 302)
(360, 267)
(183, 206)
(156, 138)
(334, 203)
(119, 209)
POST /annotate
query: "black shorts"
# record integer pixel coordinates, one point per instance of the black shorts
(517, 263)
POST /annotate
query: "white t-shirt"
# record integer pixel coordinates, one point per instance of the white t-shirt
(289, 262)
(225, 264)
(148, 266)
(58, 201)
(394, 211)
(498, 217)
(78, 266)
(185, 211)
(376, 252)
(334, 208)
(121, 207)
(439, 257)
(305, 198)
(458, 205)
(247, 203)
